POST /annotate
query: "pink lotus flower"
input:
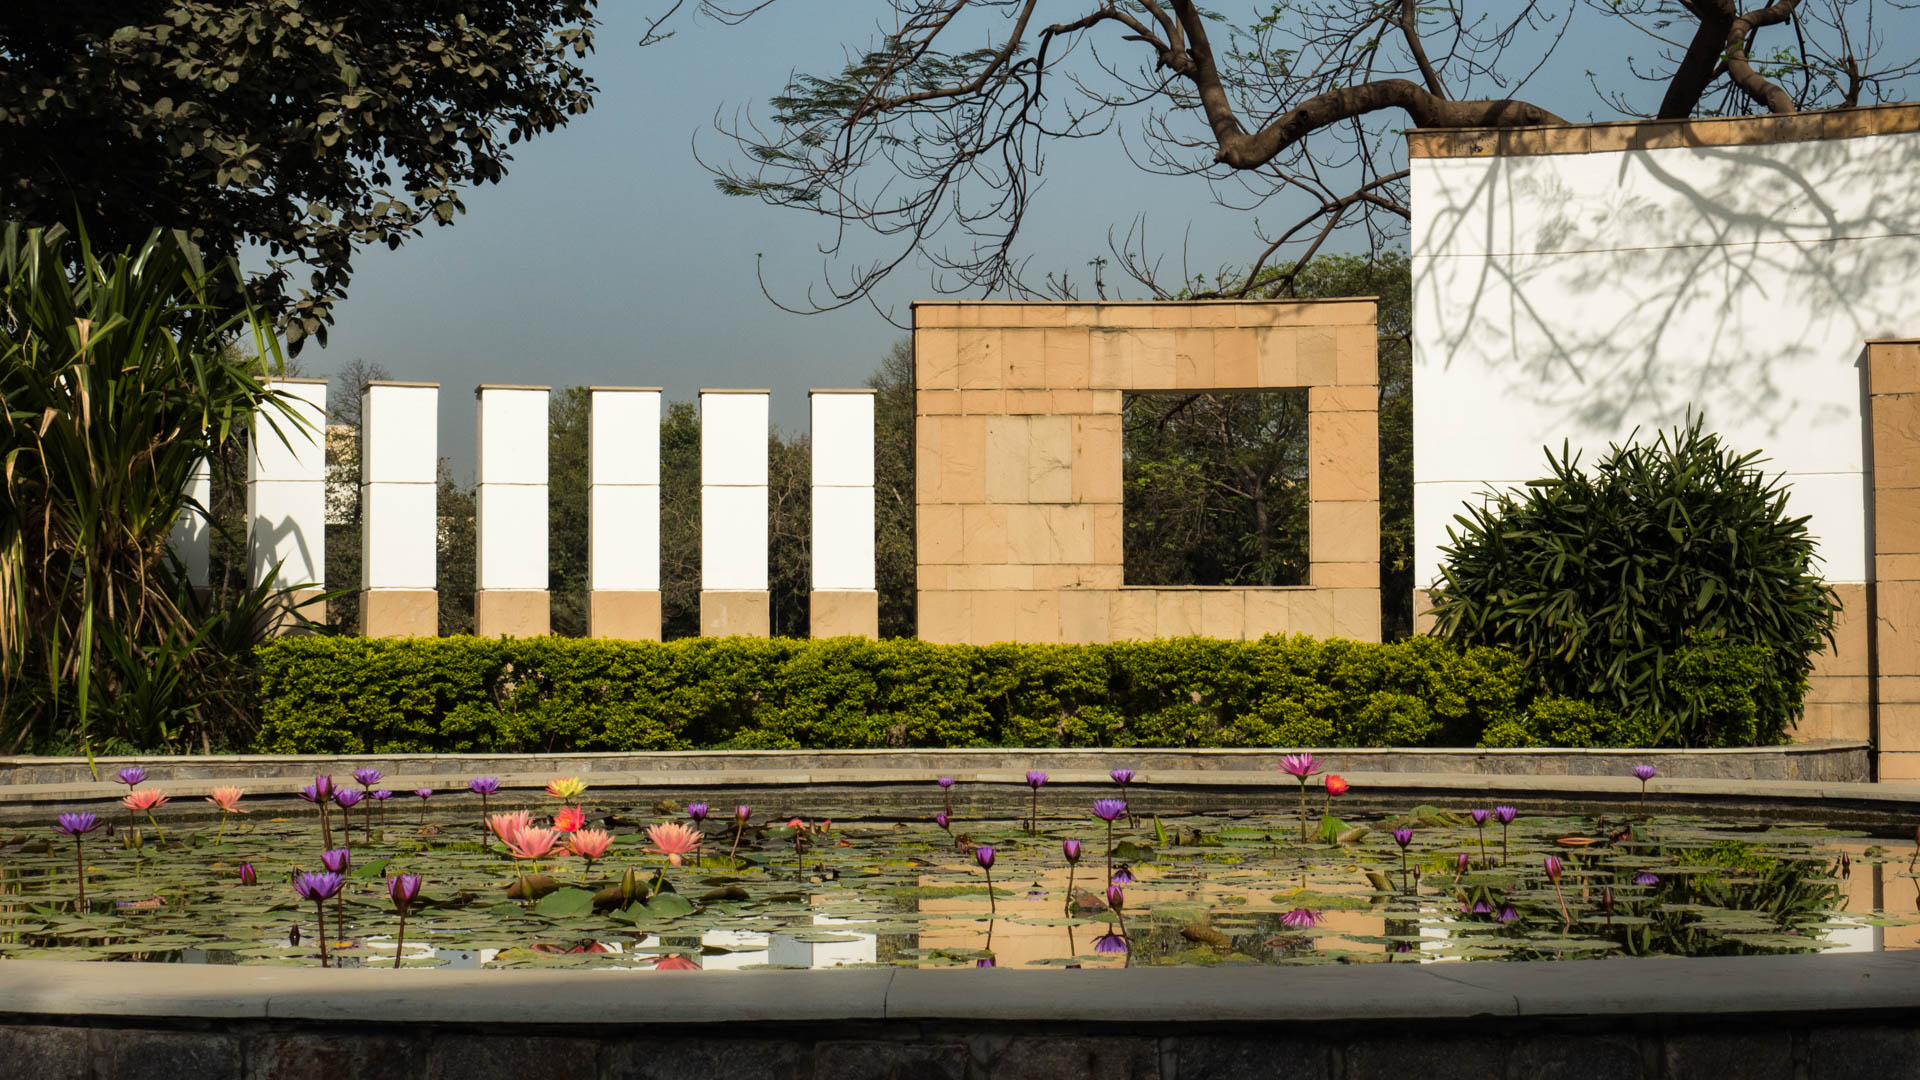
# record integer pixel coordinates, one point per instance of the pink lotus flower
(508, 826)
(1300, 765)
(147, 800)
(227, 799)
(570, 787)
(569, 819)
(590, 844)
(673, 840)
(676, 962)
(531, 843)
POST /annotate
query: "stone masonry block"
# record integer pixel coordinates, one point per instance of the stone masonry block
(1029, 535)
(1086, 616)
(1071, 531)
(1236, 360)
(988, 403)
(1009, 441)
(1343, 575)
(1030, 402)
(981, 367)
(1024, 358)
(930, 315)
(1754, 1053)
(936, 359)
(984, 534)
(1896, 521)
(1896, 567)
(741, 613)
(1223, 614)
(1133, 614)
(1343, 399)
(1343, 456)
(159, 1055)
(1050, 459)
(991, 577)
(1267, 611)
(844, 613)
(1176, 613)
(1111, 363)
(943, 617)
(1343, 531)
(399, 613)
(1097, 462)
(1893, 368)
(1896, 440)
(1851, 628)
(1356, 614)
(1310, 612)
(1068, 358)
(1125, 316)
(1151, 355)
(46, 1052)
(512, 612)
(938, 532)
(1315, 356)
(1899, 727)
(1897, 629)
(1276, 356)
(1109, 534)
(1193, 359)
(624, 615)
(1356, 355)
(1899, 766)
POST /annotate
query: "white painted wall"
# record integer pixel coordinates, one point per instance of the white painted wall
(842, 440)
(733, 490)
(1579, 296)
(192, 538)
(623, 538)
(510, 497)
(399, 460)
(286, 489)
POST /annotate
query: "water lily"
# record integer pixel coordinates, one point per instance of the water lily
(1124, 777)
(1403, 836)
(1110, 943)
(77, 826)
(566, 787)
(320, 794)
(146, 802)
(1108, 810)
(1646, 878)
(673, 840)
(676, 962)
(1480, 823)
(1300, 919)
(347, 798)
(946, 789)
(130, 776)
(740, 815)
(1035, 779)
(697, 811)
(1644, 773)
(1553, 868)
(1506, 914)
(1116, 897)
(483, 786)
(589, 844)
(569, 819)
(1300, 767)
(531, 843)
(248, 875)
(228, 800)
(509, 825)
(1070, 849)
(319, 888)
(402, 889)
(984, 856)
(367, 777)
(1504, 815)
(338, 860)
(1336, 787)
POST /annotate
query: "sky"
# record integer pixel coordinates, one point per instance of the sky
(607, 257)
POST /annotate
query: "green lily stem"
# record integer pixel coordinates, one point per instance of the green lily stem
(1303, 808)
(1109, 854)
(991, 909)
(1565, 919)
(1483, 842)
(320, 907)
(739, 827)
(340, 911)
(80, 873)
(156, 827)
(400, 939)
(1071, 867)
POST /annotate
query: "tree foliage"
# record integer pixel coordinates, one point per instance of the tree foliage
(932, 138)
(1606, 583)
(307, 130)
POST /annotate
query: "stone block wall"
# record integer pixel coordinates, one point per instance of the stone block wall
(1018, 464)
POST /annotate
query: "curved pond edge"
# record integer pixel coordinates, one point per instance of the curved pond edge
(1794, 1016)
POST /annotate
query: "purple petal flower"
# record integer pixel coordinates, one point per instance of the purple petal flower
(323, 787)
(983, 856)
(382, 795)
(1110, 943)
(348, 797)
(1506, 914)
(697, 811)
(1122, 875)
(78, 824)
(367, 777)
(403, 888)
(1463, 863)
(1122, 777)
(337, 860)
(1300, 919)
(483, 785)
(1505, 814)
(130, 775)
(248, 876)
(1403, 837)
(1109, 809)
(941, 819)
(1553, 868)
(317, 886)
(1116, 897)
(311, 793)
(1071, 849)
(1646, 878)
(1479, 816)
(945, 781)
(1300, 765)
(1035, 779)
(1481, 907)
(984, 962)
(423, 792)
(742, 812)
(1645, 772)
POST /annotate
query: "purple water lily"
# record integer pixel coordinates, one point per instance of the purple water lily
(1035, 779)
(1644, 773)
(77, 826)
(1071, 849)
(946, 792)
(130, 776)
(248, 875)
(337, 861)
(319, 888)
(1300, 767)
(1646, 878)
(1403, 836)
(1300, 919)
(984, 856)
(1109, 810)
(697, 812)
(1504, 815)
(402, 889)
(367, 777)
(1110, 943)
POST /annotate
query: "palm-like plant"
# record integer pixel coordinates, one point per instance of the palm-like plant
(117, 376)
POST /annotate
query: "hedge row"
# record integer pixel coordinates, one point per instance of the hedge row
(467, 694)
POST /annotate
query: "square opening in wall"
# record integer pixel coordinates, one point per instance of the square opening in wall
(1216, 488)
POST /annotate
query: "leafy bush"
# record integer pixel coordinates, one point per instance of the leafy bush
(356, 695)
(1669, 587)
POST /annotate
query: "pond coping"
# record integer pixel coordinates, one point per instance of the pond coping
(1748, 985)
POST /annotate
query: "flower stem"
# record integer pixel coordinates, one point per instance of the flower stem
(1033, 818)
(1109, 853)
(740, 826)
(987, 870)
(80, 874)
(1483, 842)
(1071, 867)
(158, 831)
(400, 939)
(320, 907)
(1303, 808)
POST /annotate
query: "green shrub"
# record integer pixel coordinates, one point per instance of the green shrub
(1669, 585)
(465, 694)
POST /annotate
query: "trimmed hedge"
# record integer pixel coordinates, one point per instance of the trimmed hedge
(550, 694)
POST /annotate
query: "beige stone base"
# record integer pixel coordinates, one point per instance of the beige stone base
(735, 614)
(624, 614)
(512, 612)
(279, 619)
(389, 613)
(844, 613)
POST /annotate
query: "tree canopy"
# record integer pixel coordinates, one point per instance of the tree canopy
(308, 130)
(933, 136)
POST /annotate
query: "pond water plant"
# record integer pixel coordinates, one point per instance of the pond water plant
(1301, 767)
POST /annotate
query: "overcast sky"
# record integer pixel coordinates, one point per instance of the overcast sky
(608, 257)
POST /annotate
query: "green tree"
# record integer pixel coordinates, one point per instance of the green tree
(306, 130)
(894, 513)
(680, 521)
(569, 442)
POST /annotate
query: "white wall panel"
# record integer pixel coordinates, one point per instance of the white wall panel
(398, 533)
(293, 453)
(625, 426)
(624, 539)
(192, 539)
(733, 438)
(511, 536)
(286, 524)
(399, 434)
(843, 538)
(513, 436)
(733, 538)
(1579, 297)
(842, 439)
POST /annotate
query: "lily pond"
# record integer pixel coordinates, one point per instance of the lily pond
(853, 886)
